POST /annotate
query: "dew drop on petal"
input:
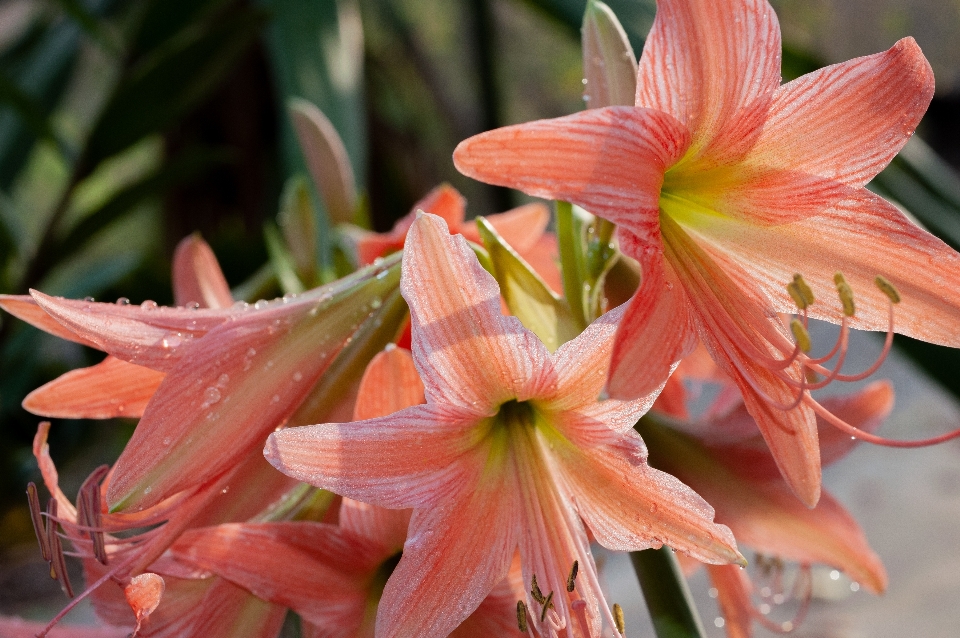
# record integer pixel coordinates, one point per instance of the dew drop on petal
(297, 376)
(123, 301)
(210, 396)
(148, 305)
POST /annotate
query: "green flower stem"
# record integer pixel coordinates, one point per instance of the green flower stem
(665, 590)
(572, 261)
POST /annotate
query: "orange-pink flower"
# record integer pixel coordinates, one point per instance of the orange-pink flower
(512, 450)
(725, 184)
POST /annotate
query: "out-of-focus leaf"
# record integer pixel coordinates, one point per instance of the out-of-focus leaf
(327, 160)
(30, 111)
(526, 294)
(90, 25)
(163, 19)
(316, 49)
(636, 16)
(609, 64)
(260, 285)
(282, 261)
(297, 219)
(170, 81)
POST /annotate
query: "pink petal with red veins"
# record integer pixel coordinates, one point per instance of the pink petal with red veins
(746, 337)
(847, 121)
(154, 337)
(379, 524)
(497, 614)
(197, 277)
(112, 388)
(733, 595)
(521, 227)
(443, 577)
(714, 67)
(224, 611)
(389, 384)
(401, 460)
(611, 161)
(466, 351)
(312, 568)
(656, 331)
(581, 364)
(651, 507)
(25, 308)
(443, 201)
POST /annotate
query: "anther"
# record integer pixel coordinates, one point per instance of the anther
(800, 292)
(58, 564)
(535, 591)
(547, 604)
(572, 578)
(88, 511)
(522, 615)
(800, 335)
(36, 517)
(846, 295)
(618, 619)
(887, 288)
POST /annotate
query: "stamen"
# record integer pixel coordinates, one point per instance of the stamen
(547, 604)
(800, 292)
(89, 511)
(887, 288)
(856, 433)
(572, 578)
(535, 591)
(522, 615)
(58, 563)
(800, 335)
(36, 517)
(788, 626)
(618, 618)
(846, 295)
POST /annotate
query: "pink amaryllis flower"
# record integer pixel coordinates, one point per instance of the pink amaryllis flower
(512, 450)
(725, 184)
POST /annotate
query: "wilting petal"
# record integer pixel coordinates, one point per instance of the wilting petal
(655, 333)
(861, 237)
(650, 508)
(443, 577)
(197, 277)
(144, 593)
(393, 461)
(112, 388)
(714, 67)
(390, 383)
(456, 322)
(313, 568)
(847, 121)
(611, 161)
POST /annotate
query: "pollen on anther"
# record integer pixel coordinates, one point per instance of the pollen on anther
(800, 292)
(800, 335)
(522, 615)
(535, 591)
(618, 618)
(846, 295)
(887, 288)
(547, 604)
(572, 578)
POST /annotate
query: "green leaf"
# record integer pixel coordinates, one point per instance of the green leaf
(170, 81)
(90, 25)
(665, 591)
(30, 111)
(526, 294)
(298, 222)
(609, 64)
(282, 261)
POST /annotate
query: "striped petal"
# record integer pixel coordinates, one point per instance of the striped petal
(197, 277)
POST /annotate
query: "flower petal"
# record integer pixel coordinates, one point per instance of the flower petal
(847, 121)
(197, 277)
(650, 508)
(466, 351)
(443, 577)
(861, 237)
(389, 384)
(656, 332)
(521, 227)
(25, 308)
(610, 161)
(393, 461)
(112, 388)
(385, 526)
(733, 595)
(714, 67)
(12, 627)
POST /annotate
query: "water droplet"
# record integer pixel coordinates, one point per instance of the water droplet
(210, 396)
(123, 301)
(297, 376)
(171, 341)
(378, 261)
(834, 575)
(194, 306)
(225, 490)
(275, 399)
(259, 304)
(375, 303)
(713, 592)
(269, 365)
(148, 305)
(222, 381)
(854, 586)
(287, 297)
(382, 274)
(147, 490)
(583, 81)
(166, 440)
(718, 622)
(89, 299)
(764, 609)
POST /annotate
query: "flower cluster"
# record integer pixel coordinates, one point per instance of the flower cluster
(455, 487)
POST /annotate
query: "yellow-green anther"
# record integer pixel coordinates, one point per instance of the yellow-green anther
(618, 619)
(887, 288)
(572, 578)
(804, 290)
(796, 295)
(522, 615)
(547, 604)
(846, 295)
(535, 591)
(800, 335)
